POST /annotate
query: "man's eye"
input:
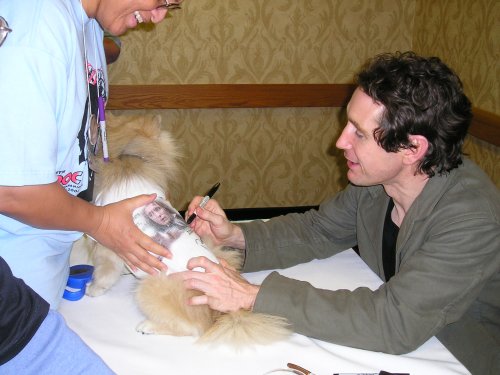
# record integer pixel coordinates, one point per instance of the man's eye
(358, 134)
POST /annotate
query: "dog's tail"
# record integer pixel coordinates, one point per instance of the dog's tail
(244, 328)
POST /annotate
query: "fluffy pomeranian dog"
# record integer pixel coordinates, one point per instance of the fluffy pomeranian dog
(143, 160)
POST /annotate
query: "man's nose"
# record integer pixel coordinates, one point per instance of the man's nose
(343, 142)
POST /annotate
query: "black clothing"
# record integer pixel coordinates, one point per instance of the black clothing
(389, 239)
(22, 311)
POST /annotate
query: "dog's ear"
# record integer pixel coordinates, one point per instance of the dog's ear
(149, 127)
(157, 120)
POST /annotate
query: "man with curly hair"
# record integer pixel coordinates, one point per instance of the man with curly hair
(425, 219)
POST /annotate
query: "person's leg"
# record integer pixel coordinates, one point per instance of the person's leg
(55, 349)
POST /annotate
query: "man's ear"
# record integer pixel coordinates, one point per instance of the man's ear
(419, 148)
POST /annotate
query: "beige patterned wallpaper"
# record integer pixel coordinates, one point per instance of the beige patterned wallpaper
(262, 41)
(466, 34)
(270, 157)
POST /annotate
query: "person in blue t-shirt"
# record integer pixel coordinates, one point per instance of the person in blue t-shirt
(54, 80)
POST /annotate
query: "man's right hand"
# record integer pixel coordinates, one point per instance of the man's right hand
(211, 222)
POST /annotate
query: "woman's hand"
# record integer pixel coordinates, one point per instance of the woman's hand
(117, 231)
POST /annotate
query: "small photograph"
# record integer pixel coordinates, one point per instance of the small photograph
(160, 221)
(165, 225)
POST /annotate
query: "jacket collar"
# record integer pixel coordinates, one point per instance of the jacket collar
(424, 204)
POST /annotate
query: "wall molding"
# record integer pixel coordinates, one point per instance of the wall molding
(228, 96)
(485, 125)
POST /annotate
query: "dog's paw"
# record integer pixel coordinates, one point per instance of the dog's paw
(102, 282)
(95, 290)
(146, 327)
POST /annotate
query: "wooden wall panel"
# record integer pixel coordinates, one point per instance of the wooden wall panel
(485, 125)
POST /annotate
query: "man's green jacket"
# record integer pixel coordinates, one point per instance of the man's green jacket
(447, 281)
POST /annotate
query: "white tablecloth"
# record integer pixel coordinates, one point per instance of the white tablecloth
(107, 324)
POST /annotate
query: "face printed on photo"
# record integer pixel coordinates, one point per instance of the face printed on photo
(159, 214)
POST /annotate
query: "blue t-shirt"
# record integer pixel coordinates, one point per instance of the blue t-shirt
(44, 124)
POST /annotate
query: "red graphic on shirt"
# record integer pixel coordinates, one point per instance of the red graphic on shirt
(71, 177)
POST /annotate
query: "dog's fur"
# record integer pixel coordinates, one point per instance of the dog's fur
(144, 159)
(163, 301)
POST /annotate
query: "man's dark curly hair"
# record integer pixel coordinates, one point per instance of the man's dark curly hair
(421, 96)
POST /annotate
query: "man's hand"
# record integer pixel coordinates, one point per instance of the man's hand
(211, 222)
(224, 288)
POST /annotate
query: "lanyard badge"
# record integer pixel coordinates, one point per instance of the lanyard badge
(4, 30)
